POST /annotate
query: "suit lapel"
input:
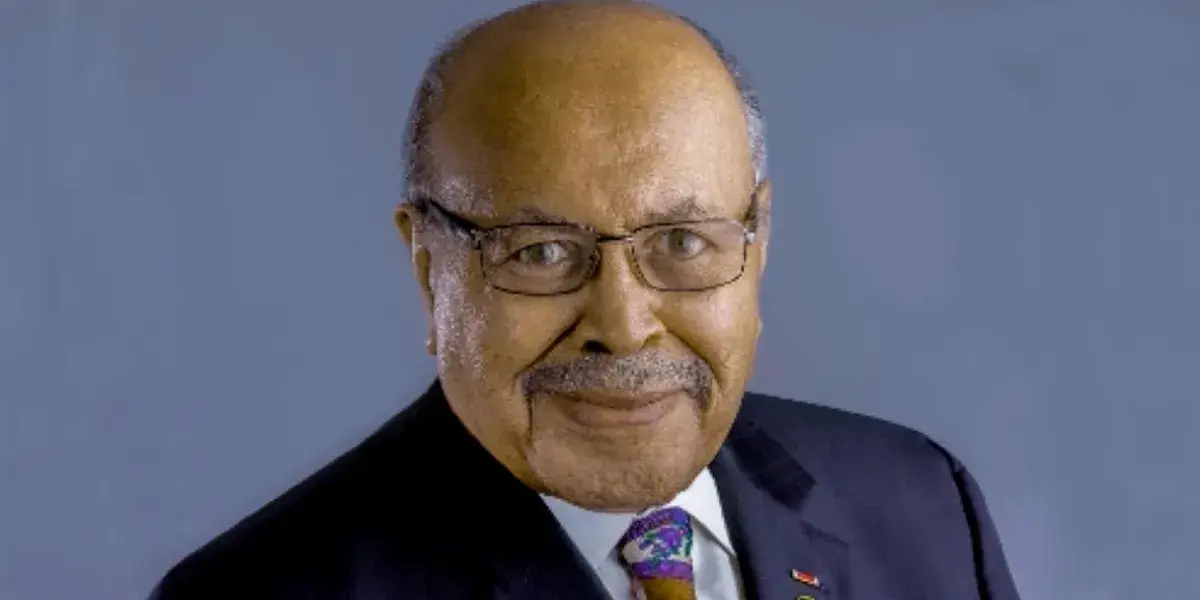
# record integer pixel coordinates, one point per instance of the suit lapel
(537, 559)
(544, 564)
(763, 491)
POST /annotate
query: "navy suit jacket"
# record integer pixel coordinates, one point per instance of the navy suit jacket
(420, 510)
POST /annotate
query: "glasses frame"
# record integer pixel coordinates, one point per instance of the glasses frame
(474, 235)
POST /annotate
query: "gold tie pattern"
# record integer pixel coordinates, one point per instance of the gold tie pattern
(657, 549)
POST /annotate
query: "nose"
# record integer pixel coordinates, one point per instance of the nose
(619, 316)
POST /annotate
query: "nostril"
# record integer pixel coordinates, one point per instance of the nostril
(595, 347)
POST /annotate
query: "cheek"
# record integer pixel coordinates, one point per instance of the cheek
(521, 329)
(459, 319)
(490, 336)
(485, 340)
(722, 327)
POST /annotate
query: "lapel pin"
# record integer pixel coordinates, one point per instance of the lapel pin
(804, 598)
(807, 579)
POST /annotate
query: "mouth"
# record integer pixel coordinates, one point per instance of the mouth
(604, 410)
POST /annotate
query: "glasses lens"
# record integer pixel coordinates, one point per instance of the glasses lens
(691, 256)
(537, 259)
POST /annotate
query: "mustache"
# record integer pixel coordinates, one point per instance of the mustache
(647, 371)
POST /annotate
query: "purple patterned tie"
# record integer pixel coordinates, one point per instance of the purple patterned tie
(658, 550)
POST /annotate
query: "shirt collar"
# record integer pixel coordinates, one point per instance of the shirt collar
(596, 533)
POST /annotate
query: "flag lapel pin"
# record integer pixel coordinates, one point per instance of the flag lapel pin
(808, 579)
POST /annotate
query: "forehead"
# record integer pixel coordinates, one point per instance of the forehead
(604, 139)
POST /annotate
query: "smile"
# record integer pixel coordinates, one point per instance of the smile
(603, 411)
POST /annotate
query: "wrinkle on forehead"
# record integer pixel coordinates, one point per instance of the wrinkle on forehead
(669, 210)
(456, 193)
(690, 175)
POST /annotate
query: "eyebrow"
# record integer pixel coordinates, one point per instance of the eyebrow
(684, 209)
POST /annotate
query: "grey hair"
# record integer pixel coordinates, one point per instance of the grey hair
(426, 100)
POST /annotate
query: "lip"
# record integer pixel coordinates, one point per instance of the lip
(608, 410)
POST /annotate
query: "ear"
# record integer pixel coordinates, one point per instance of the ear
(763, 207)
(409, 223)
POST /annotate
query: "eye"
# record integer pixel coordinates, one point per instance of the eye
(680, 243)
(543, 254)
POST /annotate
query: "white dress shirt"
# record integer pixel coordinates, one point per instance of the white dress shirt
(714, 562)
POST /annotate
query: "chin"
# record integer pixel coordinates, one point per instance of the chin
(612, 486)
(617, 501)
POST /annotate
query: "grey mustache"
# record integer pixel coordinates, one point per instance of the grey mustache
(651, 370)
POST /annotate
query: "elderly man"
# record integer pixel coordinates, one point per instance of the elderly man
(588, 223)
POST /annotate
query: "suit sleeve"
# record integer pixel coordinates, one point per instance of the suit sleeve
(157, 593)
(991, 568)
(160, 591)
(170, 588)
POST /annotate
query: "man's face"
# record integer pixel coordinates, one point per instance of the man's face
(614, 395)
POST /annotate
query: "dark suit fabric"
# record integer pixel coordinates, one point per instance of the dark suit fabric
(421, 510)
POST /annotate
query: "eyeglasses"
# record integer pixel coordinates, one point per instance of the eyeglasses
(542, 259)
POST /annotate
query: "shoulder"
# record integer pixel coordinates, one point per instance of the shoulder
(805, 424)
(305, 542)
(891, 489)
(857, 451)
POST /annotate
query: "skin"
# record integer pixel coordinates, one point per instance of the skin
(613, 115)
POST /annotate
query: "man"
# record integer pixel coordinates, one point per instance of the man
(588, 222)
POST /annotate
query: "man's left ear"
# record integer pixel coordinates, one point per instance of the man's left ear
(762, 202)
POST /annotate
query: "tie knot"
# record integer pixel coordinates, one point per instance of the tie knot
(659, 545)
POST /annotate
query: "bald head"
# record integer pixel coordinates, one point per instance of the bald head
(555, 44)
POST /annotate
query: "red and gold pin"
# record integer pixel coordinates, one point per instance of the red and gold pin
(807, 579)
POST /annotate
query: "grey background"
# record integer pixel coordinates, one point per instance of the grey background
(987, 220)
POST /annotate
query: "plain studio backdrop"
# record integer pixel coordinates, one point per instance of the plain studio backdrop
(987, 227)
